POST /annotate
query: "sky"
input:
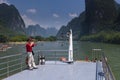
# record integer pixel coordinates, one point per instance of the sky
(48, 13)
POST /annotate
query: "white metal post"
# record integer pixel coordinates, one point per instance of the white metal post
(70, 54)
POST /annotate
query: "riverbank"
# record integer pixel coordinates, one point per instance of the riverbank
(105, 37)
(16, 42)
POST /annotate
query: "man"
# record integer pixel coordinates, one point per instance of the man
(29, 45)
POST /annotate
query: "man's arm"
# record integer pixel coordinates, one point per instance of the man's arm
(32, 44)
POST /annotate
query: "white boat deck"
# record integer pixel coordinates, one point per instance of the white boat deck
(79, 70)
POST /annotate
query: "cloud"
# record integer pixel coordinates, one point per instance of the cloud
(56, 15)
(44, 26)
(4, 1)
(72, 15)
(33, 11)
(28, 21)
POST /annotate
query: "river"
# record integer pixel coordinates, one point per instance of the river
(81, 51)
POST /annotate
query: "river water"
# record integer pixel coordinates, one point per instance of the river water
(81, 51)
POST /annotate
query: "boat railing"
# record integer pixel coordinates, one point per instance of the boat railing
(12, 64)
(51, 55)
(96, 54)
(107, 69)
(103, 70)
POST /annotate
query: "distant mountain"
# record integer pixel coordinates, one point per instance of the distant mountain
(10, 19)
(51, 31)
(62, 32)
(75, 24)
(37, 30)
(99, 15)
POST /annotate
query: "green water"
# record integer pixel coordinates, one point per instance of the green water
(112, 52)
(81, 51)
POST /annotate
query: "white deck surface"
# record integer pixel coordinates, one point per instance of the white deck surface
(79, 70)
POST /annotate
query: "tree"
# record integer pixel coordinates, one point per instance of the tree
(39, 38)
(3, 38)
(18, 38)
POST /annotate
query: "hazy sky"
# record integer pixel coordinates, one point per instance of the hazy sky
(48, 13)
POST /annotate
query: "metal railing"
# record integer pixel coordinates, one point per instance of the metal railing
(106, 68)
(96, 54)
(103, 70)
(12, 64)
(53, 54)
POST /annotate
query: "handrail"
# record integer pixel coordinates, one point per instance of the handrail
(8, 63)
(15, 63)
(108, 72)
(10, 56)
(53, 54)
(52, 50)
(105, 72)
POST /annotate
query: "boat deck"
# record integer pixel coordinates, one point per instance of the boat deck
(56, 70)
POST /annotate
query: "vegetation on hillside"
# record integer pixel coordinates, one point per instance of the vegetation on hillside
(103, 36)
(3, 38)
(99, 22)
(21, 38)
(50, 38)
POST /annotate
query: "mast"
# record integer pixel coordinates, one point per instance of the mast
(70, 53)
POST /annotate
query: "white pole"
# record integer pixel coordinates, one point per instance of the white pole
(70, 55)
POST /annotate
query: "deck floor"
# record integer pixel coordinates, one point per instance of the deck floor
(79, 70)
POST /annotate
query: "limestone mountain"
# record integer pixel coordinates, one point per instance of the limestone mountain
(51, 31)
(75, 24)
(11, 20)
(99, 15)
(37, 30)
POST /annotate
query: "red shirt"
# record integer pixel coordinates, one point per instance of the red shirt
(29, 47)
